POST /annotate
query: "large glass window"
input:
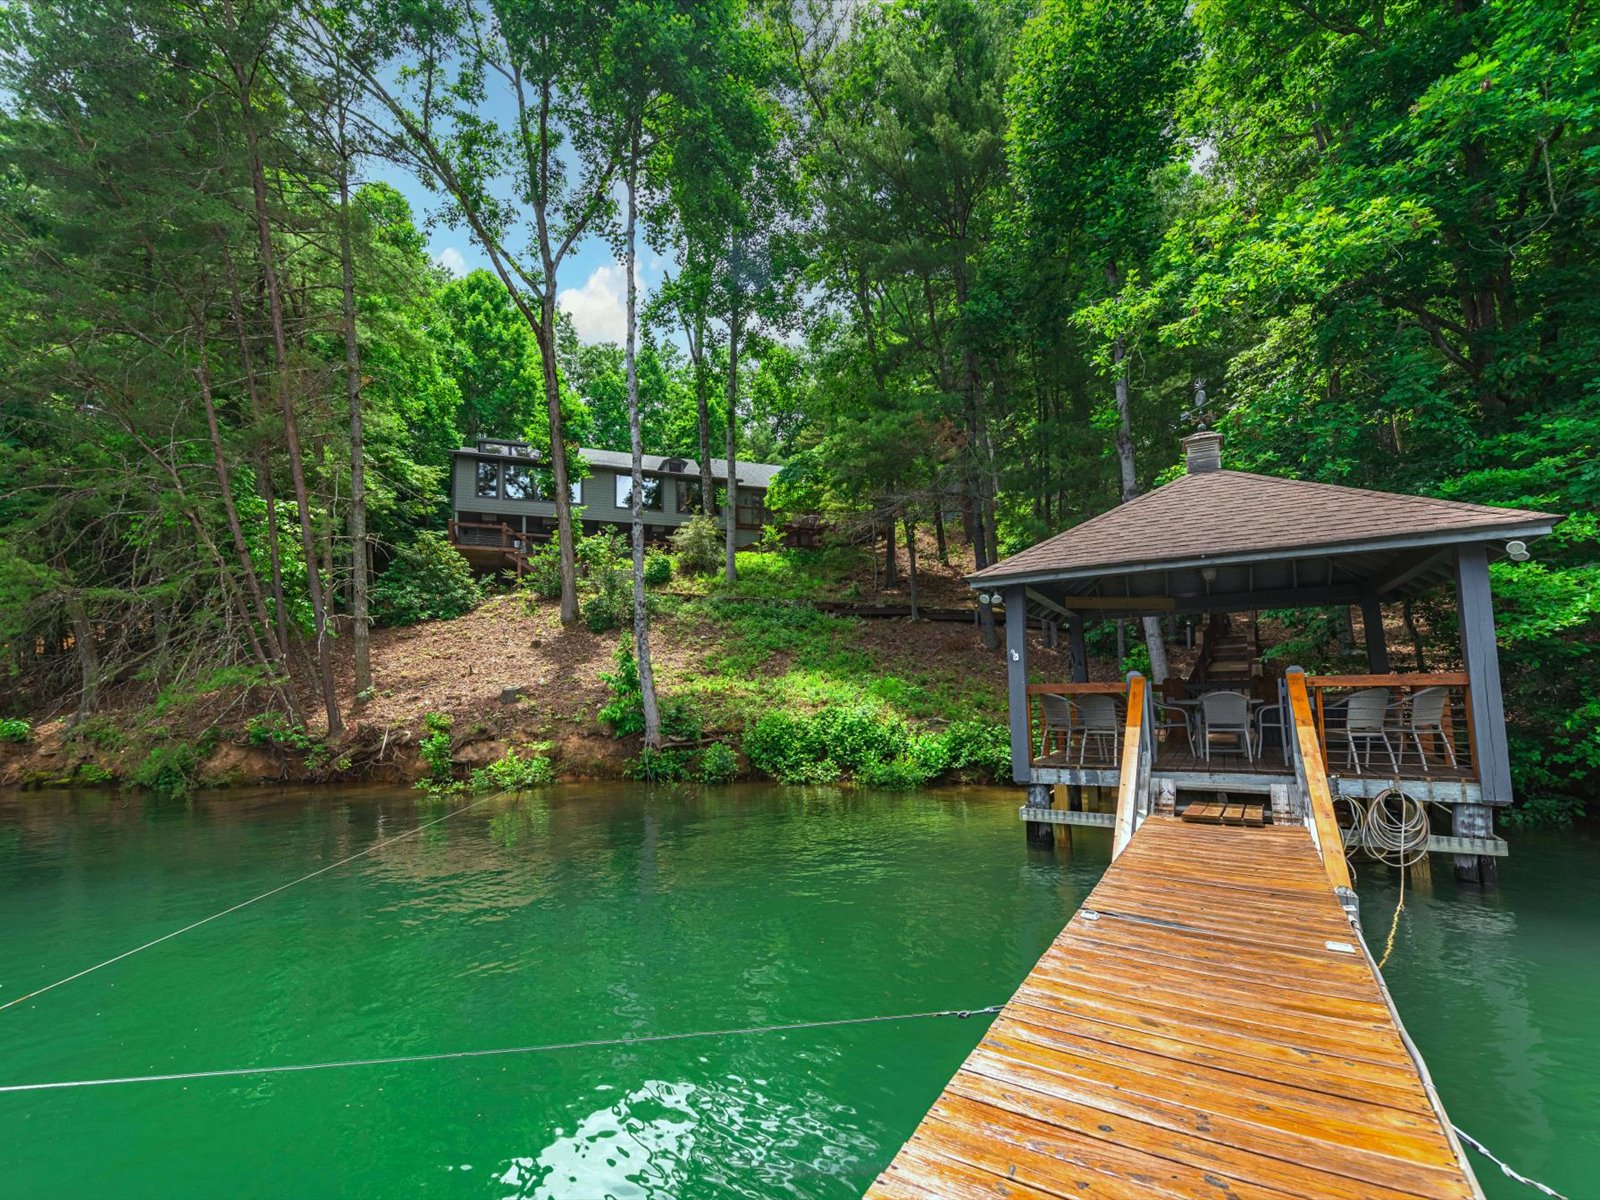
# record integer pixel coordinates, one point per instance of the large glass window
(689, 497)
(489, 480)
(649, 499)
(518, 483)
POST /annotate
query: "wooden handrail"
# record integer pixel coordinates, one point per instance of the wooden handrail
(1128, 781)
(1330, 842)
(1077, 689)
(1430, 679)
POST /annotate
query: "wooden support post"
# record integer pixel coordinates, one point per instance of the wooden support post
(1080, 654)
(1372, 622)
(1482, 661)
(1474, 870)
(1041, 833)
(1017, 685)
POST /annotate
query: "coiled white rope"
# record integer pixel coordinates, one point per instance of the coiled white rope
(283, 887)
(545, 1048)
(1394, 828)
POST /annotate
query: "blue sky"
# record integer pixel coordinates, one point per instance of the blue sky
(590, 287)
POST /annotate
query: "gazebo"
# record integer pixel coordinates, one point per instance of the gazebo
(1227, 542)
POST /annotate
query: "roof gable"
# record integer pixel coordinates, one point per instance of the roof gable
(1233, 513)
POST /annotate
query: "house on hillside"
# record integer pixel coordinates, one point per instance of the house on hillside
(500, 497)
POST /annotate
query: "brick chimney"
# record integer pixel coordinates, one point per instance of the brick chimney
(1203, 452)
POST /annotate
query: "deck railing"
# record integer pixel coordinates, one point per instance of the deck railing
(487, 534)
(1138, 751)
(1311, 770)
(1423, 731)
(1055, 739)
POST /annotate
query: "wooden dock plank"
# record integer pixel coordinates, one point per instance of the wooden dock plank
(1192, 1034)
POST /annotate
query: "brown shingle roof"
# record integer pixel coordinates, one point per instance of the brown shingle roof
(1220, 513)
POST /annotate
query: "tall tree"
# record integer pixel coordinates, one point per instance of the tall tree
(1092, 122)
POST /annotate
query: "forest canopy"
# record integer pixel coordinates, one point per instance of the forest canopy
(956, 258)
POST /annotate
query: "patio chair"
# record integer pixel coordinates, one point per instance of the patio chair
(1271, 716)
(1097, 718)
(1225, 713)
(1423, 713)
(1171, 717)
(1057, 714)
(1366, 721)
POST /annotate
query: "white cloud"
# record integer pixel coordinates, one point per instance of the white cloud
(452, 260)
(599, 309)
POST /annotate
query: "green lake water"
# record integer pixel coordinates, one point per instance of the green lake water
(602, 912)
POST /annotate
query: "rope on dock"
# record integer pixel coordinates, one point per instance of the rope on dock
(283, 887)
(1505, 1170)
(398, 1059)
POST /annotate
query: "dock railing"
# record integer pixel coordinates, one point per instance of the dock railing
(1311, 772)
(1042, 733)
(1425, 731)
(1138, 751)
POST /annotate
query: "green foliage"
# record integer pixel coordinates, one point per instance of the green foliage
(624, 711)
(170, 769)
(874, 749)
(427, 580)
(657, 569)
(88, 774)
(514, 773)
(436, 748)
(718, 764)
(275, 729)
(658, 766)
(699, 545)
(15, 729)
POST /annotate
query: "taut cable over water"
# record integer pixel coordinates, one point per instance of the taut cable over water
(166, 937)
(593, 1043)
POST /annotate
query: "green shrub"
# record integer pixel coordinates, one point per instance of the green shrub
(657, 569)
(427, 580)
(699, 544)
(785, 747)
(15, 729)
(981, 749)
(169, 770)
(91, 774)
(513, 773)
(274, 729)
(624, 712)
(541, 575)
(435, 747)
(718, 764)
(857, 738)
(658, 766)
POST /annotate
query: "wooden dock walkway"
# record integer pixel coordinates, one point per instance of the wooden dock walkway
(1207, 1025)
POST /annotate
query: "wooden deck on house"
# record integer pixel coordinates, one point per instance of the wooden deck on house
(1207, 1025)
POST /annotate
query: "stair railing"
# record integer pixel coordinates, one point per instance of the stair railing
(1138, 754)
(1311, 772)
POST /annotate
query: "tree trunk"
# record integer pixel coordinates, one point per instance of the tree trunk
(938, 531)
(891, 564)
(708, 483)
(565, 546)
(352, 389)
(730, 568)
(1410, 623)
(291, 429)
(88, 656)
(641, 615)
(911, 564)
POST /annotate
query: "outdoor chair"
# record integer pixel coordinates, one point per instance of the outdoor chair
(1271, 716)
(1423, 713)
(1097, 718)
(1172, 717)
(1366, 721)
(1225, 713)
(1057, 716)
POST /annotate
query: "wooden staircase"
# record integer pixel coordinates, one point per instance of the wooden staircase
(1230, 651)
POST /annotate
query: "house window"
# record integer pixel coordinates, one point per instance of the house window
(489, 480)
(576, 488)
(650, 498)
(689, 498)
(518, 484)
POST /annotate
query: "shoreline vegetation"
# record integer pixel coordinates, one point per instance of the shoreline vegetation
(755, 682)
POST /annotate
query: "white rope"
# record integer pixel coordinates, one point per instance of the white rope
(547, 1047)
(1505, 1170)
(247, 903)
(1395, 834)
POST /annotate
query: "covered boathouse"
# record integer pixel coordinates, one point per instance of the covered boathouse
(1225, 545)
